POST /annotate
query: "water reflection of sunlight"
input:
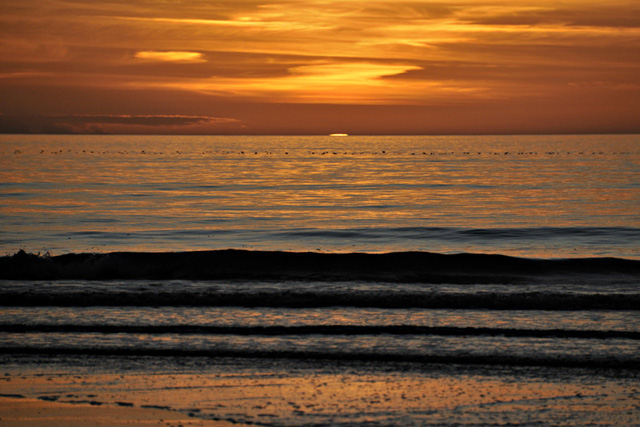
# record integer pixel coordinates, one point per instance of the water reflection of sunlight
(268, 317)
(218, 185)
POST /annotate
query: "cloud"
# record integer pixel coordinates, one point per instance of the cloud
(58, 55)
(593, 15)
(147, 120)
(170, 56)
(257, 22)
(319, 82)
(95, 123)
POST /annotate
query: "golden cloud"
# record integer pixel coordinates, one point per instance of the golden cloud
(170, 56)
(218, 55)
(331, 82)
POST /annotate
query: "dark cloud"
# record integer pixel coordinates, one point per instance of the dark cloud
(593, 16)
(403, 11)
(65, 124)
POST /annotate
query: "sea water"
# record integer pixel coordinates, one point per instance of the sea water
(532, 196)
(566, 307)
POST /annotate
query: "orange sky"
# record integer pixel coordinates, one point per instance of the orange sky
(298, 67)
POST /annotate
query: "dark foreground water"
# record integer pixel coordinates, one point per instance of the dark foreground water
(325, 281)
(290, 339)
(465, 309)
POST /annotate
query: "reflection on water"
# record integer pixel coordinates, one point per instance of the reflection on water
(599, 320)
(290, 393)
(80, 193)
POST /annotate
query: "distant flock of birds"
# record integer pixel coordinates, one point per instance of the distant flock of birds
(331, 153)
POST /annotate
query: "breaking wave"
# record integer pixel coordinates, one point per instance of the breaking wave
(409, 267)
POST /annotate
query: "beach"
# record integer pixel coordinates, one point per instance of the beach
(314, 281)
(34, 413)
(234, 391)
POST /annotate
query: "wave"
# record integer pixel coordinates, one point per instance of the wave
(408, 267)
(321, 330)
(595, 234)
(283, 298)
(490, 359)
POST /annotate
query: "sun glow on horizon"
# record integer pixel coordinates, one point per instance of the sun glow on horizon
(549, 67)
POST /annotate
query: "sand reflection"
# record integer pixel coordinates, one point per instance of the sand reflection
(292, 393)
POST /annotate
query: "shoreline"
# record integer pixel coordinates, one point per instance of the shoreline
(172, 392)
(29, 412)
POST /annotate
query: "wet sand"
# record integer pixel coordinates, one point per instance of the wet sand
(22, 412)
(283, 393)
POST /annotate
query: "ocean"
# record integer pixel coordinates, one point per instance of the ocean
(531, 196)
(325, 280)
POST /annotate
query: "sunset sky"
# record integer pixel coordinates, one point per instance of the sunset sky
(317, 67)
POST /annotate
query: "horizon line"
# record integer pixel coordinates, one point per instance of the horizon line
(322, 134)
